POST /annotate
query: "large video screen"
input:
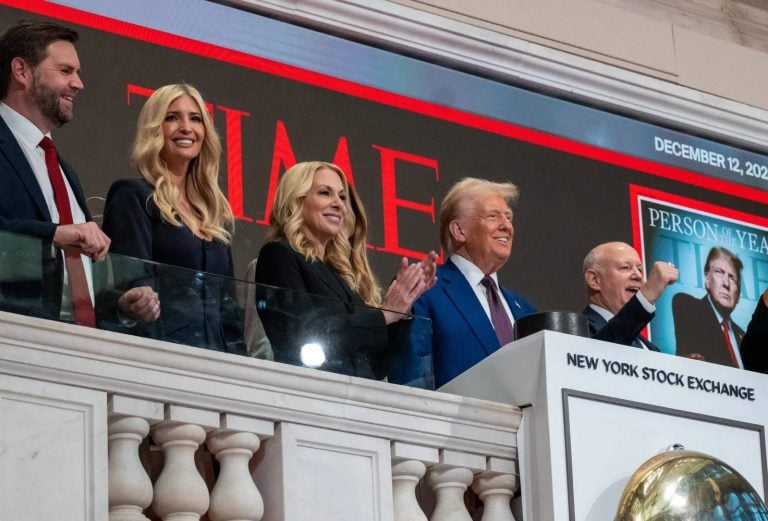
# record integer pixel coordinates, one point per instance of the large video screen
(405, 131)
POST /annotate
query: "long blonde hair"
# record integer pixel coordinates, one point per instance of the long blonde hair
(346, 251)
(208, 203)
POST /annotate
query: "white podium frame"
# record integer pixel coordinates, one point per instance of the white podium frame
(586, 428)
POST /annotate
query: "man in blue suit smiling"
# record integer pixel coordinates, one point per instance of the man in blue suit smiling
(469, 319)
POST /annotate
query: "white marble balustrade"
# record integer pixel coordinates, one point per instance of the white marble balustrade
(291, 443)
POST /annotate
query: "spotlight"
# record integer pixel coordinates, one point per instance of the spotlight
(312, 355)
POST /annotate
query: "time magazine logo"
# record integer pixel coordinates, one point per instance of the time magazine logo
(283, 157)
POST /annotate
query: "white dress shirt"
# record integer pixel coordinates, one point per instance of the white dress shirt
(474, 276)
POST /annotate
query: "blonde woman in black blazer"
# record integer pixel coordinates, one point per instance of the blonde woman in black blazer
(328, 297)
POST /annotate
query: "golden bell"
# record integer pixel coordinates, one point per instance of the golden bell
(684, 485)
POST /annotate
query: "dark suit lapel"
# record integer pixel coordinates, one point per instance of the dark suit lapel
(462, 296)
(650, 345)
(596, 320)
(737, 332)
(333, 282)
(76, 188)
(512, 302)
(16, 158)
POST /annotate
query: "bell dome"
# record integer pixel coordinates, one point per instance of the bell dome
(684, 485)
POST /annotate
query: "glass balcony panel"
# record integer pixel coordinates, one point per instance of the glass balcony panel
(203, 310)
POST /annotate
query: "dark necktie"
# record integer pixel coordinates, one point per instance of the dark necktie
(499, 317)
(728, 344)
(78, 283)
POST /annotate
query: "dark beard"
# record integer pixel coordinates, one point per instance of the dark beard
(47, 101)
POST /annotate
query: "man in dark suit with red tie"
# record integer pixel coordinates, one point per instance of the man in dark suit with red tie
(621, 299)
(704, 329)
(41, 197)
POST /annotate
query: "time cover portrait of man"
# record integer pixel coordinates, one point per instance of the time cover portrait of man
(722, 255)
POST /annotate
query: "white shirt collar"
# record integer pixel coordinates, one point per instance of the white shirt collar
(21, 127)
(717, 313)
(472, 273)
(607, 315)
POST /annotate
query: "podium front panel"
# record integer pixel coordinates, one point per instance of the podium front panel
(594, 411)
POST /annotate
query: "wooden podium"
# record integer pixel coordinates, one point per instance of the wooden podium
(594, 411)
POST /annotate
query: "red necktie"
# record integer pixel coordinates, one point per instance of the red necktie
(499, 317)
(78, 283)
(727, 334)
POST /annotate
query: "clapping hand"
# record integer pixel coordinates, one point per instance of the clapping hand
(410, 282)
(429, 270)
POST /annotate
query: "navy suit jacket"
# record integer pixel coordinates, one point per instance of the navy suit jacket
(461, 333)
(22, 205)
(624, 328)
(30, 269)
(195, 310)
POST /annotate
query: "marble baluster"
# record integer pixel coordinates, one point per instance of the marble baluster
(130, 489)
(180, 491)
(495, 490)
(409, 463)
(405, 476)
(449, 484)
(234, 496)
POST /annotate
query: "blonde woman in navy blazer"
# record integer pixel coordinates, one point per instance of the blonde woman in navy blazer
(176, 214)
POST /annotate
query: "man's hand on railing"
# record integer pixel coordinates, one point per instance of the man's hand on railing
(87, 237)
(140, 304)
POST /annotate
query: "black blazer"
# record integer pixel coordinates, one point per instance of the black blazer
(624, 328)
(197, 304)
(30, 268)
(320, 307)
(754, 345)
(697, 330)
